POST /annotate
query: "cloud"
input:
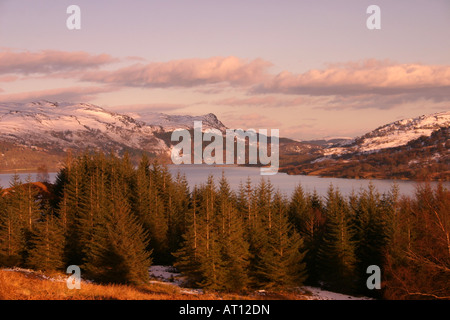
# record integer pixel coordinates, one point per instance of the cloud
(369, 77)
(185, 73)
(49, 61)
(250, 120)
(8, 78)
(261, 101)
(151, 107)
(71, 94)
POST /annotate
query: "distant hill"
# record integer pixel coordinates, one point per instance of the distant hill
(41, 133)
(416, 149)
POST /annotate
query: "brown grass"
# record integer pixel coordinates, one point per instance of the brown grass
(24, 285)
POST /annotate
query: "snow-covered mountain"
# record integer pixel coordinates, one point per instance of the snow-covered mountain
(173, 122)
(45, 125)
(394, 134)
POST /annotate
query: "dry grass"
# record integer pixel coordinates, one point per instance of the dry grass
(26, 285)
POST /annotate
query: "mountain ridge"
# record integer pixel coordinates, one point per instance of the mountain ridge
(42, 132)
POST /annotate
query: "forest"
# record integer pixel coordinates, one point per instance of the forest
(115, 220)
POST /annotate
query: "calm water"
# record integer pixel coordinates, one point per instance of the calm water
(197, 174)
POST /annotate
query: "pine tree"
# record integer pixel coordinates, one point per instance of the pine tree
(306, 214)
(337, 259)
(118, 252)
(188, 255)
(48, 245)
(11, 242)
(235, 248)
(212, 264)
(298, 209)
(282, 264)
(371, 234)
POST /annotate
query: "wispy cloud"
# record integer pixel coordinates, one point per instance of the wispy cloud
(185, 73)
(69, 94)
(380, 84)
(369, 77)
(261, 101)
(151, 107)
(250, 120)
(49, 61)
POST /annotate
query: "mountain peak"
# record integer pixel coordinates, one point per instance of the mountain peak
(395, 134)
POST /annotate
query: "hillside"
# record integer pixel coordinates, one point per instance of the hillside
(41, 133)
(392, 135)
(424, 158)
(37, 133)
(25, 284)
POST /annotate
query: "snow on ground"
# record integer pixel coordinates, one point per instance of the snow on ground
(169, 274)
(166, 274)
(320, 294)
(40, 275)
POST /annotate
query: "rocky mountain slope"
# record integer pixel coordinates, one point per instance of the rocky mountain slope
(32, 132)
(416, 148)
(394, 134)
(40, 133)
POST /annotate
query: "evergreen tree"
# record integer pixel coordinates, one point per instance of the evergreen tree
(235, 248)
(48, 245)
(118, 252)
(11, 242)
(188, 255)
(281, 263)
(306, 214)
(337, 259)
(212, 264)
(371, 234)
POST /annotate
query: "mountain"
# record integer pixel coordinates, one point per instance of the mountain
(331, 142)
(172, 122)
(44, 131)
(394, 134)
(39, 134)
(416, 148)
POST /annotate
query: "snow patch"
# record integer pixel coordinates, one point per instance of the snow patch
(320, 294)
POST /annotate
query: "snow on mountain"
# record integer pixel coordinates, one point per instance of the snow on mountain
(59, 126)
(173, 122)
(394, 134)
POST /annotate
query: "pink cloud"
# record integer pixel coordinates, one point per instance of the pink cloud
(250, 120)
(151, 107)
(261, 101)
(49, 61)
(369, 77)
(8, 78)
(72, 94)
(186, 73)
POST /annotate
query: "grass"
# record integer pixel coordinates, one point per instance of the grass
(31, 285)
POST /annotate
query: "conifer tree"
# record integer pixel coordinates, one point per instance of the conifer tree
(188, 255)
(48, 245)
(180, 204)
(11, 242)
(235, 248)
(306, 214)
(337, 259)
(212, 264)
(282, 262)
(74, 206)
(118, 252)
(371, 234)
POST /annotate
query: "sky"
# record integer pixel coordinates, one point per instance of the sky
(311, 69)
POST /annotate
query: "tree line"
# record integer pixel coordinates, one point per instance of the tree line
(115, 220)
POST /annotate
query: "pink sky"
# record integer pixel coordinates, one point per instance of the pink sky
(310, 70)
